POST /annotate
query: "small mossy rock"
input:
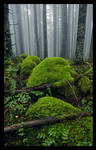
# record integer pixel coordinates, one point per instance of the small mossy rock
(21, 58)
(36, 59)
(84, 84)
(23, 55)
(28, 64)
(26, 67)
(51, 70)
(49, 107)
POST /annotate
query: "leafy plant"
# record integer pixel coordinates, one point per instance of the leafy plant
(87, 106)
(38, 93)
(49, 91)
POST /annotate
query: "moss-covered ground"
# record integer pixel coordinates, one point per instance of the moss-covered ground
(71, 92)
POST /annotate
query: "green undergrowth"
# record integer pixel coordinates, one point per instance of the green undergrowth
(81, 68)
(15, 108)
(51, 70)
(78, 132)
(39, 104)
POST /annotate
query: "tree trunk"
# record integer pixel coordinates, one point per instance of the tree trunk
(36, 29)
(54, 29)
(45, 31)
(81, 32)
(64, 30)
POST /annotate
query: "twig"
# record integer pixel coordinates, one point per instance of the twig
(73, 91)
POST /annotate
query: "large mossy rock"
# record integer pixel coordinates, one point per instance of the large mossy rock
(55, 70)
(28, 64)
(49, 107)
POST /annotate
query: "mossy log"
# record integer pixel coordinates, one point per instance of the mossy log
(34, 123)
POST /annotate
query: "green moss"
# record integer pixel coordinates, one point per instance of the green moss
(28, 64)
(77, 132)
(23, 55)
(89, 73)
(84, 83)
(26, 67)
(21, 58)
(36, 59)
(51, 70)
(91, 91)
(82, 133)
(49, 107)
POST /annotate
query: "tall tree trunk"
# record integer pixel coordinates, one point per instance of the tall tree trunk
(54, 28)
(45, 30)
(36, 29)
(7, 37)
(39, 33)
(81, 32)
(64, 30)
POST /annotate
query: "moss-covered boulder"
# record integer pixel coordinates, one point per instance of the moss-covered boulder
(84, 84)
(49, 107)
(28, 64)
(21, 58)
(54, 70)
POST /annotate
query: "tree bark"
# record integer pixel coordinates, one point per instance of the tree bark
(36, 28)
(45, 31)
(34, 123)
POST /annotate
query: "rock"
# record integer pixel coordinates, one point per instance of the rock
(49, 107)
(55, 70)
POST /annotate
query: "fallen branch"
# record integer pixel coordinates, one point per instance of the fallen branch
(34, 123)
(43, 86)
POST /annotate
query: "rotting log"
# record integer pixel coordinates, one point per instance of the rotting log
(34, 123)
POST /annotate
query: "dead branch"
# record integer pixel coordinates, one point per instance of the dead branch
(43, 86)
(34, 123)
(73, 91)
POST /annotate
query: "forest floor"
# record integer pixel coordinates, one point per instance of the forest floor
(45, 103)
